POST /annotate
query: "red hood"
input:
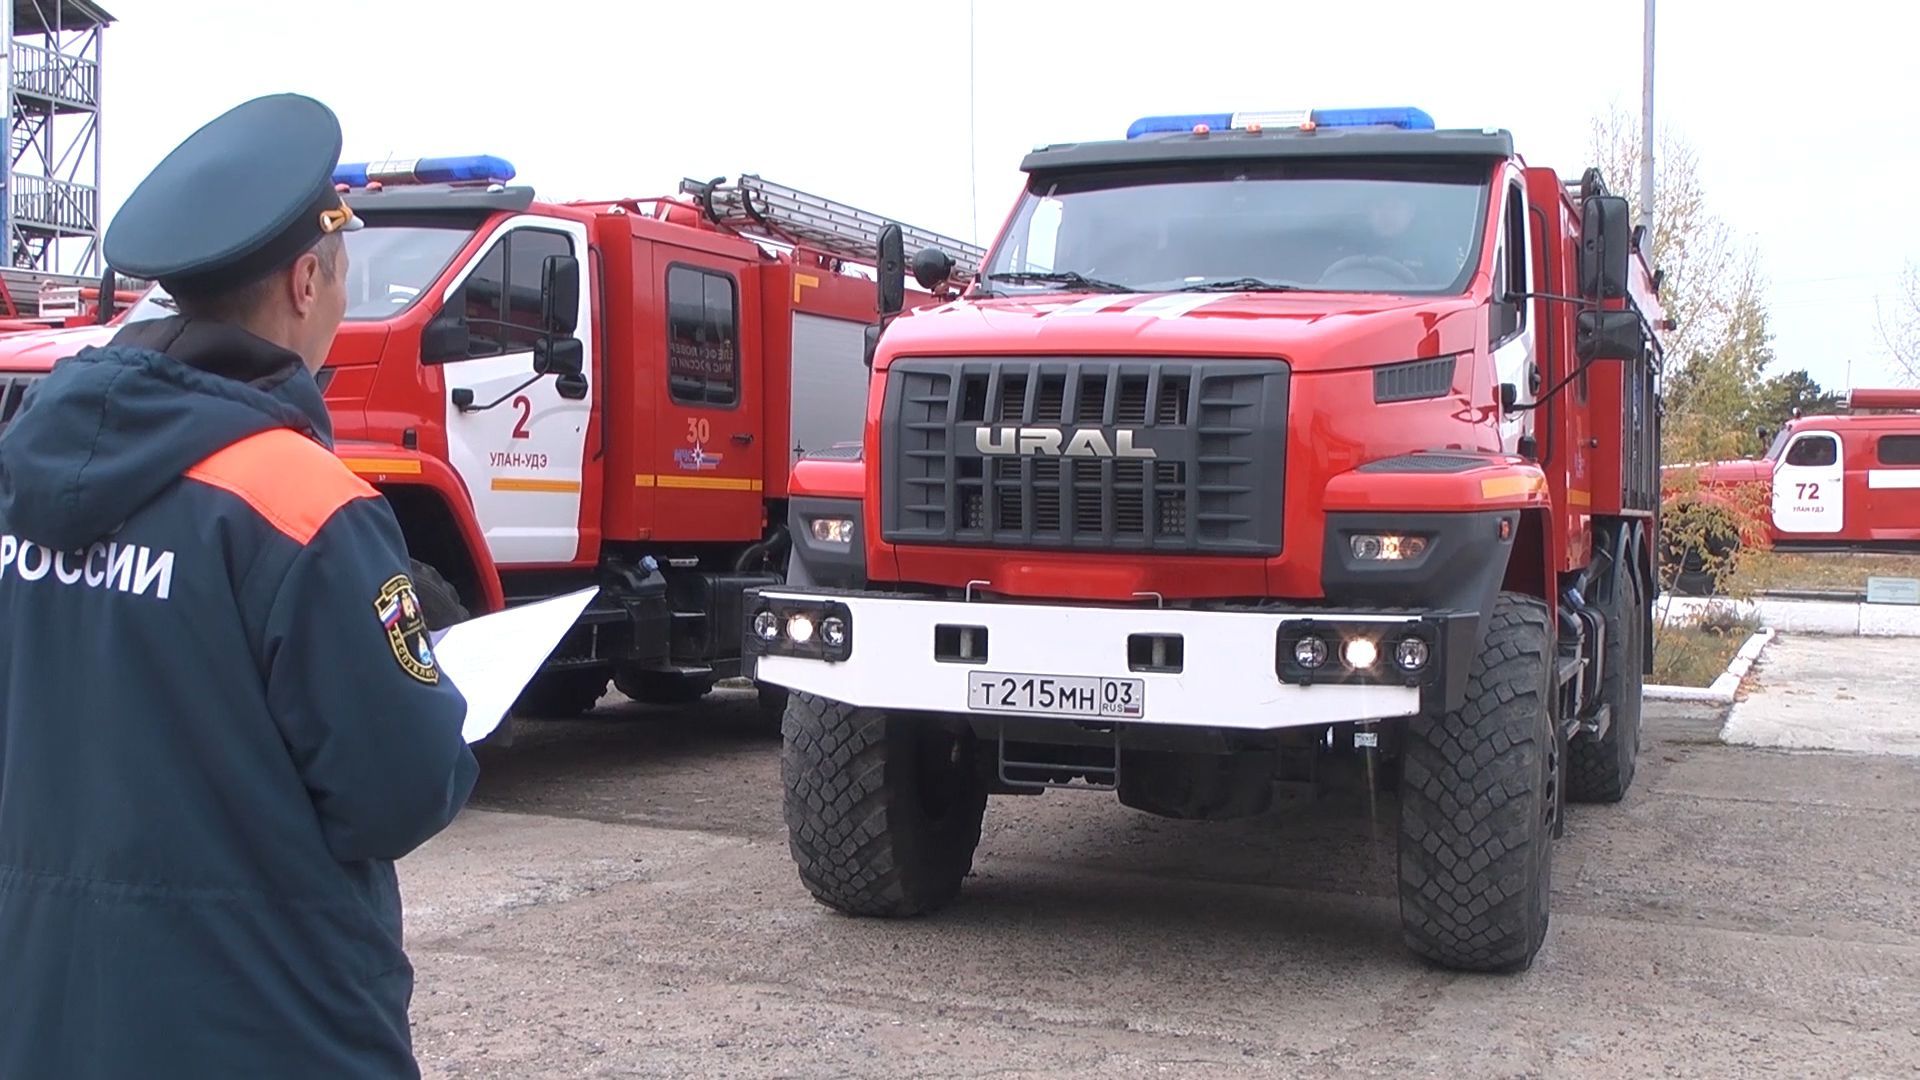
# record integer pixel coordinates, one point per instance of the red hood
(1315, 331)
(39, 350)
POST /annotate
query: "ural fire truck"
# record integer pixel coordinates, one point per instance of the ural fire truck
(1845, 482)
(1264, 448)
(552, 396)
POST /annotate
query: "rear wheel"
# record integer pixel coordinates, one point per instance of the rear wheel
(663, 687)
(1479, 794)
(558, 695)
(883, 812)
(1601, 770)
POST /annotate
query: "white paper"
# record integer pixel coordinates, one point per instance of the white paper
(491, 659)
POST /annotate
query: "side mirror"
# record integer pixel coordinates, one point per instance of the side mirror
(103, 311)
(560, 294)
(932, 267)
(1606, 248)
(1608, 335)
(891, 276)
(446, 337)
(559, 356)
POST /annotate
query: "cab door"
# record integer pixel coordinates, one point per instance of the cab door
(1512, 333)
(516, 438)
(1808, 485)
(708, 458)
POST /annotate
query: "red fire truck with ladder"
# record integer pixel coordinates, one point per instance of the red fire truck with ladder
(1264, 448)
(554, 395)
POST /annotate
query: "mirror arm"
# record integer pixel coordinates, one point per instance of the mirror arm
(496, 401)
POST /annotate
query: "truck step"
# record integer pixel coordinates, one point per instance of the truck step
(1044, 765)
(1568, 669)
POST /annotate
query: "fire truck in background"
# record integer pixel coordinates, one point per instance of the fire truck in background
(1264, 448)
(557, 395)
(1845, 482)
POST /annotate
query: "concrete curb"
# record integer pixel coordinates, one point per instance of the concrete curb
(1803, 616)
(1726, 685)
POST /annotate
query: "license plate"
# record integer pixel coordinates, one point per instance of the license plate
(1091, 696)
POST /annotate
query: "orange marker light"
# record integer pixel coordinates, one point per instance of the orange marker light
(1201, 129)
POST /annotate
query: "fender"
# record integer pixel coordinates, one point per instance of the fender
(827, 484)
(389, 467)
(1439, 482)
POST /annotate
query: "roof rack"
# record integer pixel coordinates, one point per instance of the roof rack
(755, 207)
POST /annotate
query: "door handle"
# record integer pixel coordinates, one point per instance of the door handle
(744, 438)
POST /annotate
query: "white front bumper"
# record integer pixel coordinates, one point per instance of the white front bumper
(1228, 678)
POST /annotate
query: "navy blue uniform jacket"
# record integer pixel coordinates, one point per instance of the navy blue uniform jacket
(222, 725)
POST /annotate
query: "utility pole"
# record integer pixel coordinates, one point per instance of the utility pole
(1646, 129)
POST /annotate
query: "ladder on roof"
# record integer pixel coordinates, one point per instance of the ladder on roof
(754, 206)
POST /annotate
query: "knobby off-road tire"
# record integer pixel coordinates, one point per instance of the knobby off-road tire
(1601, 770)
(559, 695)
(440, 602)
(663, 687)
(883, 812)
(1478, 791)
(441, 607)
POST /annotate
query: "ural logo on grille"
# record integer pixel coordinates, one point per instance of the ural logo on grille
(1058, 442)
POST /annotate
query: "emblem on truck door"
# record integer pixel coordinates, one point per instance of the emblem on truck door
(1047, 441)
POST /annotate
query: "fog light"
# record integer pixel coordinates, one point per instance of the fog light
(766, 626)
(1360, 653)
(1309, 652)
(1387, 547)
(833, 530)
(800, 629)
(833, 631)
(1410, 654)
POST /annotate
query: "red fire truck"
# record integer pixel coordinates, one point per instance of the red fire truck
(1846, 482)
(1264, 448)
(552, 396)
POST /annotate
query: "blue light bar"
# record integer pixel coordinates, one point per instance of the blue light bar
(1404, 117)
(472, 168)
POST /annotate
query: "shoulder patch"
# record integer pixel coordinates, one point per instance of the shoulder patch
(293, 482)
(405, 625)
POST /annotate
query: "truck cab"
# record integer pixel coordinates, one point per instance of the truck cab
(1266, 448)
(608, 394)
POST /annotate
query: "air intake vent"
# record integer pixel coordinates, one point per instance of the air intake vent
(1416, 381)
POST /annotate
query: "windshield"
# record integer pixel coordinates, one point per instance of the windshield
(387, 267)
(1333, 226)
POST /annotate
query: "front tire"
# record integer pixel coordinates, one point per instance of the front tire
(883, 813)
(1478, 800)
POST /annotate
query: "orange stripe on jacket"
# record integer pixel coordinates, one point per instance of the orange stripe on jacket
(292, 481)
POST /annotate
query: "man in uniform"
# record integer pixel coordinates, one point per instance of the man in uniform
(222, 719)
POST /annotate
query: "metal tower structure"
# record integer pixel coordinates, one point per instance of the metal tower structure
(51, 186)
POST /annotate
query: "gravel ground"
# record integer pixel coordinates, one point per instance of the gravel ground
(619, 901)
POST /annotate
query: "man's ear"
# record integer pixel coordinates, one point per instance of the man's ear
(304, 283)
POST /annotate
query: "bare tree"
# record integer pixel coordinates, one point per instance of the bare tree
(1900, 329)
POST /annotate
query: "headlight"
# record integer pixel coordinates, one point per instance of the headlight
(1359, 653)
(1310, 652)
(1387, 547)
(833, 530)
(809, 628)
(1411, 654)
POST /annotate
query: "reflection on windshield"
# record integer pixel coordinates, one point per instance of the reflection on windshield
(1327, 226)
(387, 268)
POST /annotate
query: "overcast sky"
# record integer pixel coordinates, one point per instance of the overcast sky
(1804, 116)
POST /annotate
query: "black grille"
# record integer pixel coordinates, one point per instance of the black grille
(13, 392)
(1089, 455)
(1414, 381)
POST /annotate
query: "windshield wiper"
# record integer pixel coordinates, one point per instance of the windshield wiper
(1059, 277)
(1245, 284)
